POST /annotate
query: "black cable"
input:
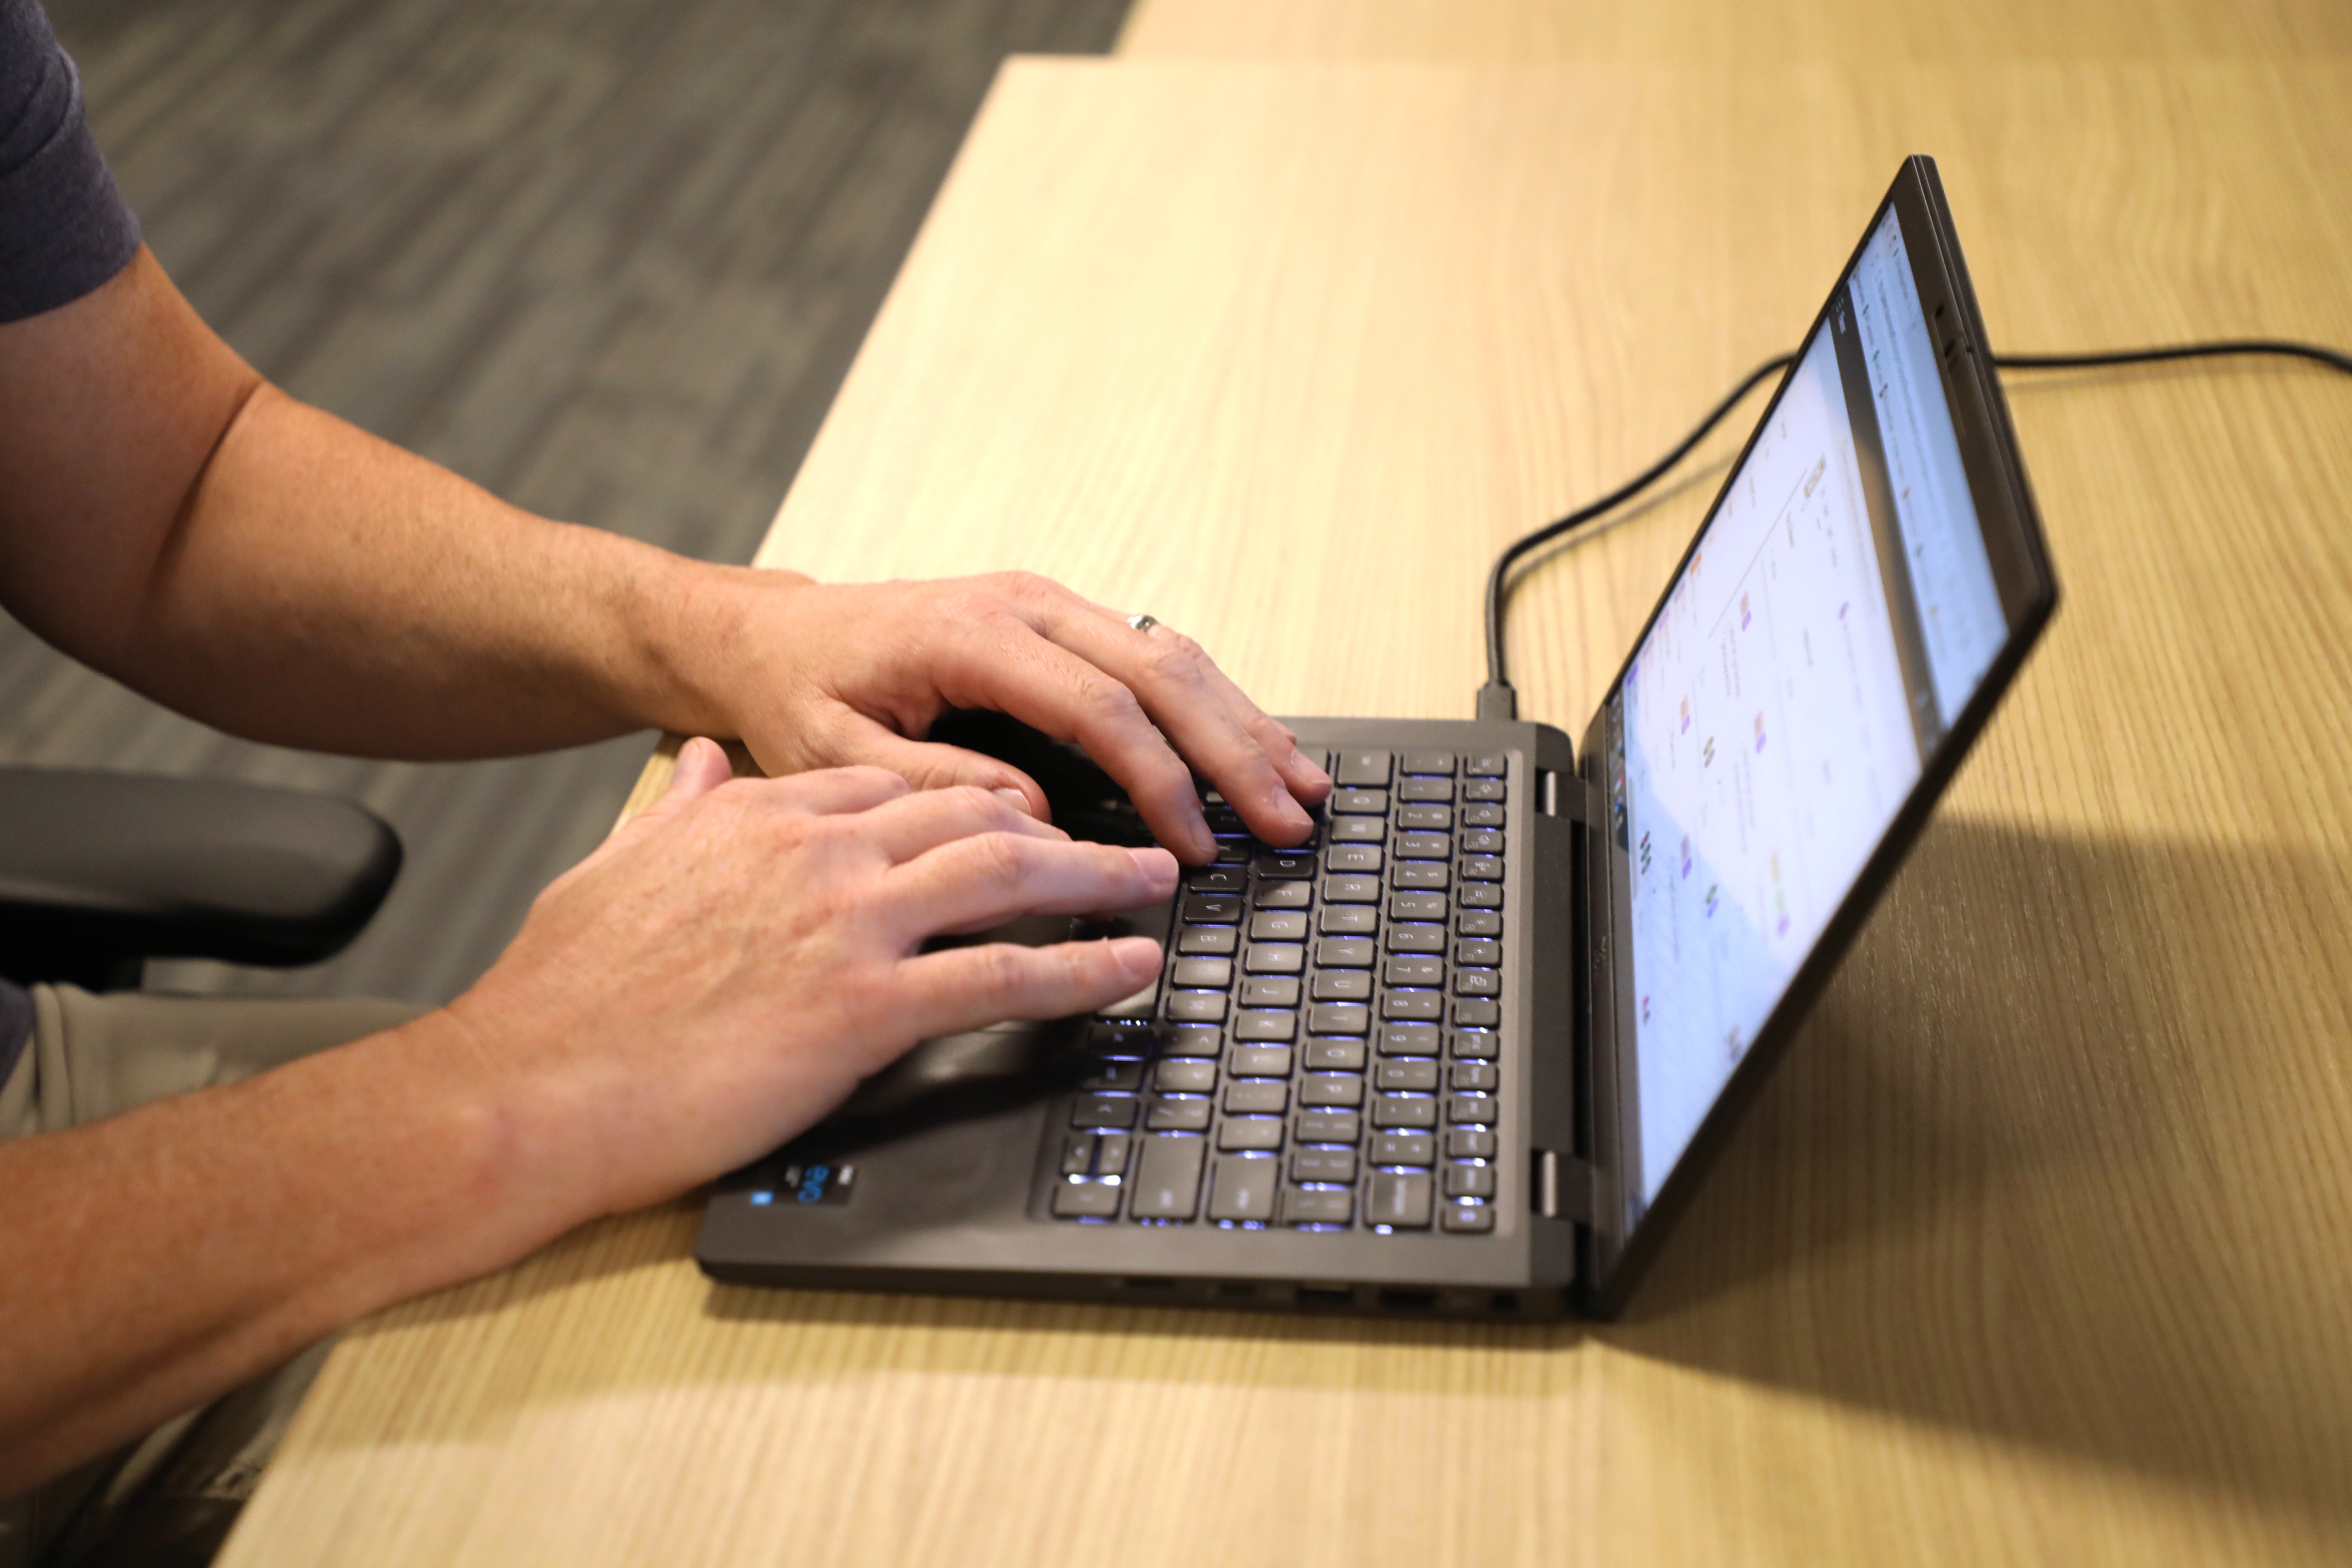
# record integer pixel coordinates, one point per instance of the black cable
(1497, 699)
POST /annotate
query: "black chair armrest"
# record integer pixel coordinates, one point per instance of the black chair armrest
(99, 871)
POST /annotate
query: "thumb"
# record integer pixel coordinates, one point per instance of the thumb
(927, 764)
(702, 767)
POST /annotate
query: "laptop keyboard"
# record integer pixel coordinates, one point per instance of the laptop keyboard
(1323, 1053)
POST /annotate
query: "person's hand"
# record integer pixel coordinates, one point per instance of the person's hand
(727, 966)
(822, 675)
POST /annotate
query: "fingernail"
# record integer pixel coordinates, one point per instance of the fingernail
(1155, 863)
(1016, 799)
(1138, 955)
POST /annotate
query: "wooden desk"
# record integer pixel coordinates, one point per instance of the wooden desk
(2035, 1249)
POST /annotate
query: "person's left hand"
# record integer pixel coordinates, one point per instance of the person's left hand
(827, 676)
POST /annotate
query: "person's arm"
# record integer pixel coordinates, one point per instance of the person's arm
(169, 518)
(717, 977)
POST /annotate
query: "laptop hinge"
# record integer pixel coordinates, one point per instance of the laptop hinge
(1565, 1188)
(1563, 795)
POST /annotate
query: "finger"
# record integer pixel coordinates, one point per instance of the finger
(975, 882)
(1180, 689)
(928, 765)
(832, 792)
(918, 823)
(964, 988)
(702, 766)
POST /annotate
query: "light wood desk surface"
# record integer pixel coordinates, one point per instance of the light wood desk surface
(2035, 1251)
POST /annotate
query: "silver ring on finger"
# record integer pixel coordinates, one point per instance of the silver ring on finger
(1143, 623)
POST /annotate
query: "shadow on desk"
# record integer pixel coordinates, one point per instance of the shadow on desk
(2051, 1164)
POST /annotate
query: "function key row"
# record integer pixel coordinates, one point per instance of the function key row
(1372, 769)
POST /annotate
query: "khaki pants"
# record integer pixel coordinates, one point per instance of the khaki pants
(170, 1498)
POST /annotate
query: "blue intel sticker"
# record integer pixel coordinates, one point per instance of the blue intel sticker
(819, 1183)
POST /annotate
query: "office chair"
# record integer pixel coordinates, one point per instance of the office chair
(100, 872)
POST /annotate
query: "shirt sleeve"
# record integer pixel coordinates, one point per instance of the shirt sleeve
(64, 228)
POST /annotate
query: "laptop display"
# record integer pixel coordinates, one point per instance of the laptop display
(1835, 616)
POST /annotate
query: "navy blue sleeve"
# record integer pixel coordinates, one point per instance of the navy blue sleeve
(64, 229)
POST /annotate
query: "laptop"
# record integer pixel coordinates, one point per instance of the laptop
(1469, 1050)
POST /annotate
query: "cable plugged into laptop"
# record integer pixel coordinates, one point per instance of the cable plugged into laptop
(1498, 699)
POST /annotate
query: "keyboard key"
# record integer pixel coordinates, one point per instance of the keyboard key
(1362, 770)
(1479, 923)
(1483, 815)
(1078, 1154)
(1479, 951)
(1274, 1028)
(1260, 1061)
(1277, 957)
(1488, 791)
(1417, 939)
(1472, 1109)
(1339, 1018)
(1344, 952)
(1343, 985)
(1417, 907)
(1478, 1012)
(1352, 858)
(1249, 1133)
(1103, 1110)
(1482, 868)
(1407, 971)
(1482, 895)
(1233, 852)
(1113, 1076)
(1411, 1006)
(1469, 1143)
(1468, 1219)
(1477, 1045)
(1424, 847)
(1221, 908)
(1398, 1198)
(1360, 803)
(1278, 925)
(1405, 1111)
(1259, 1097)
(1478, 983)
(1202, 974)
(1322, 1164)
(1435, 818)
(1474, 1078)
(1335, 1056)
(1120, 1039)
(1196, 1007)
(1436, 763)
(1424, 792)
(1469, 1181)
(1418, 1073)
(1358, 830)
(1270, 990)
(1352, 889)
(1185, 1078)
(1137, 1006)
(1284, 895)
(1328, 1127)
(1349, 920)
(1219, 880)
(1409, 1040)
(1086, 1200)
(1482, 841)
(1208, 942)
(1189, 1040)
(1167, 1183)
(1343, 1089)
(1281, 866)
(1303, 1206)
(1487, 765)
(1403, 1149)
(1111, 1154)
(1424, 876)
(1179, 1115)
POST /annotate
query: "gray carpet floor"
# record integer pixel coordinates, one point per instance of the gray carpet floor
(610, 259)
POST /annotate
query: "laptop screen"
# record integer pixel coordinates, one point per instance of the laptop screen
(1834, 618)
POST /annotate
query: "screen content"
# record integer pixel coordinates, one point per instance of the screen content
(1836, 615)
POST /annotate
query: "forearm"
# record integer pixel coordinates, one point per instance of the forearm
(153, 1259)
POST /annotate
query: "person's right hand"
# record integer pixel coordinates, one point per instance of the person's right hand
(727, 966)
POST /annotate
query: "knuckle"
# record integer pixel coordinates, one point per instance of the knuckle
(1178, 657)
